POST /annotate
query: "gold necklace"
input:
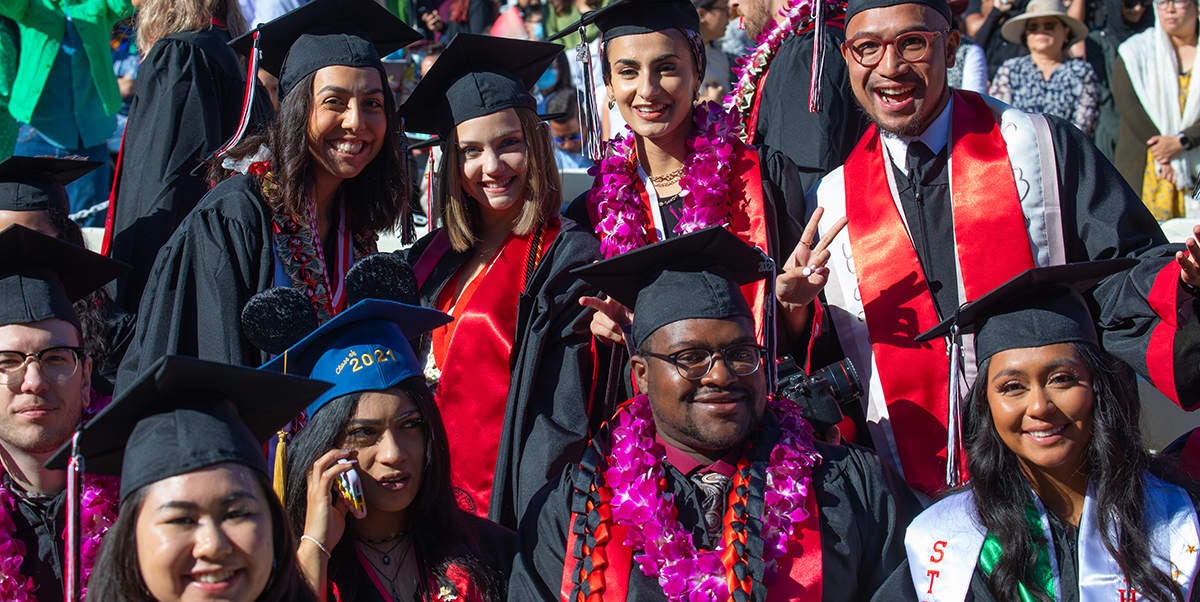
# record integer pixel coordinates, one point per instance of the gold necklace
(668, 178)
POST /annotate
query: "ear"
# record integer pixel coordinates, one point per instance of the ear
(640, 369)
(86, 384)
(953, 39)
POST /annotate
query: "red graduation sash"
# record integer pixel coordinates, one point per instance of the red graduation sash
(473, 391)
(896, 298)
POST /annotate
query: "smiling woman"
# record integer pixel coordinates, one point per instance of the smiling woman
(297, 204)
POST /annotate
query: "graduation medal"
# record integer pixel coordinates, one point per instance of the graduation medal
(638, 504)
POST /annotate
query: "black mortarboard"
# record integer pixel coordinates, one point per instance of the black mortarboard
(351, 33)
(853, 7)
(476, 76)
(183, 414)
(41, 276)
(696, 275)
(633, 17)
(36, 183)
(1038, 307)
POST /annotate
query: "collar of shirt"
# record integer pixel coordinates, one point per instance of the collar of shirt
(686, 464)
(934, 137)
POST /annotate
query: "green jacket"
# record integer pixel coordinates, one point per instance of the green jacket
(43, 24)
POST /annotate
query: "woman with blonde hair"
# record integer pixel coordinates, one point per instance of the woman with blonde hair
(514, 371)
(188, 103)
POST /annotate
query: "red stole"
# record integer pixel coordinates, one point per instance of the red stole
(895, 296)
(747, 218)
(473, 391)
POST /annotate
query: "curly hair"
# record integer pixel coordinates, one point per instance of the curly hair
(379, 195)
(1116, 460)
(157, 19)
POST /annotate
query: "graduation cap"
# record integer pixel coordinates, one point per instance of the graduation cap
(350, 33)
(853, 7)
(475, 76)
(1038, 307)
(633, 17)
(36, 183)
(184, 414)
(364, 348)
(695, 275)
(41, 276)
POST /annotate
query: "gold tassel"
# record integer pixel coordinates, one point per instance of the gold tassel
(280, 463)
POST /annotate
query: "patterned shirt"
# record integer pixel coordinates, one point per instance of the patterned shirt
(1073, 92)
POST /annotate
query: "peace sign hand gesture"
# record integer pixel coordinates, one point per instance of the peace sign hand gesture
(804, 274)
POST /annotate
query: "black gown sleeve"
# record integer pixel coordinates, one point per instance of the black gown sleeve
(1103, 219)
(186, 106)
(816, 142)
(220, 256)
(783, 191)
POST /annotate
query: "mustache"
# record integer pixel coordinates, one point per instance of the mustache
(735, 390)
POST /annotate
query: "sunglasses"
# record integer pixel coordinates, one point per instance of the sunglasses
(1048, 26)
(571, 138)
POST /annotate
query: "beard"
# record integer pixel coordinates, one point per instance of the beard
(909, 129)
(717, 440)
(41, 439)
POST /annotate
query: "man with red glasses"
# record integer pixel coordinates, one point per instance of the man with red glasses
(949, 195)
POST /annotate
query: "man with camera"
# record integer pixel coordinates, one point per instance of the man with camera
(705, 484)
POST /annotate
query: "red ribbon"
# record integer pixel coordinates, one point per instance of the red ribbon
(895, 295)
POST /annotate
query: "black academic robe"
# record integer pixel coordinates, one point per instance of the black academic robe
(219, 257)
(1102, 218)
(188, 103)
(39, 525)
(816, 142)
(492, 547)
(548, 418)
(863, 508)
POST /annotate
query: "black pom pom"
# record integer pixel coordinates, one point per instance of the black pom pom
(384, 276)
(278, 318)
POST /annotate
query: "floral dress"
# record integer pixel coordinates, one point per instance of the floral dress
(1072, 92)
(1159, 194)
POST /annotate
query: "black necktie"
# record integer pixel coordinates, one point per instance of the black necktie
(917, 161)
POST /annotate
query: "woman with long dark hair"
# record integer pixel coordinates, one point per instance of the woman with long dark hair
(515, 371)
(198, 519)
(1064, 502)
(404, 538)
(303, 200)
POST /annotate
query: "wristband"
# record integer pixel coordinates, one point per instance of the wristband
(316, 543)
(1184, 140)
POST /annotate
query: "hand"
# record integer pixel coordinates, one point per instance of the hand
(1167, 172)
(432, 21)
(1002, 5)
(804, 273)
(1191, 269)
(610, 316)
(325, 517)
(712, 91)
(1165, 148)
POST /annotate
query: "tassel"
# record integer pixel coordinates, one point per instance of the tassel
(589, 116)
(280, 465)
(818, 61)
(71, 578)
(247, 100)
(954, 442)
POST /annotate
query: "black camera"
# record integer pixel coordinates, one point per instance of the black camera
(821, 395)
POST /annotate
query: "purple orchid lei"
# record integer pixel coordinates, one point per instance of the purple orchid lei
(750, 67)
(704, 186)
(686, 573)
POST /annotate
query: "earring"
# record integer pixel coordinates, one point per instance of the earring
(611, 102)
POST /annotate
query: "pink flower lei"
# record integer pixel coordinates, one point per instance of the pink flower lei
(686, 573)
(792, 18)
(98, 511)
(704, 186)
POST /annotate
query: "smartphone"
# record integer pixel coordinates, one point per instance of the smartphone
(350, 487)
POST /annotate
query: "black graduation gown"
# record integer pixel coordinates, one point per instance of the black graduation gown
(219, 257)
(1102, 218)
(863, 506)
(548, 419)
(493, 547)
(816, 142)
(188, 103)
(39, 525)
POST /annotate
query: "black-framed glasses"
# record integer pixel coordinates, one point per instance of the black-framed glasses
(571, 138)
(58, 363)
(695, 362)
(912, 46)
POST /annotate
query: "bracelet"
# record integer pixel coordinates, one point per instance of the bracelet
(1189, 289)
(316, 543)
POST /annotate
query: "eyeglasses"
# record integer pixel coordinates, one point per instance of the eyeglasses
(57, 363)
(1177, 4)
(571, 138)
(695, 363)
(1046, 26)
(912, 46)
